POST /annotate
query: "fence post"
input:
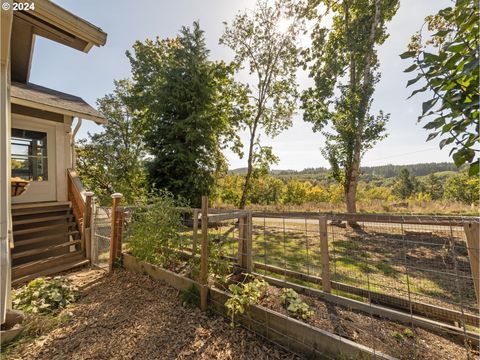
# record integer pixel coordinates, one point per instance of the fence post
(326, 284)
(472, 232)
(195, 231)
(248, 242)
(241, 242)
(116, 198)
(87, 223)
(119, 234)
(204, 256)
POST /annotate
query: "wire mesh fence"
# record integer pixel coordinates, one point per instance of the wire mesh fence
(417, 271)
(102, 229)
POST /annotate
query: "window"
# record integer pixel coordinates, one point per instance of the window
(29, 155)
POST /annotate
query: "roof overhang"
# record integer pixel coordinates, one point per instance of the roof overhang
(42, 98)
(58, 24)
(6, 17)
(52, 22)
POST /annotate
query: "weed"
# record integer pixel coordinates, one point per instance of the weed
(295, 305)
(191, 297)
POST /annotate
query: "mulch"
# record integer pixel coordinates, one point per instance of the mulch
(130, 316)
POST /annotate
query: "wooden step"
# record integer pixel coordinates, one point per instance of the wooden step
(37, 266)
(51, 271)
(37, 211)
(59, 227)
(39, 239)
(37, 205)
(43, 249)
(39, 219)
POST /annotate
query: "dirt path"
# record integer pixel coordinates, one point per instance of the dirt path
(130, 316)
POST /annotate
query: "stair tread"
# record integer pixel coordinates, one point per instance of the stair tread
(42, 228)
(43, 249)
(33, 240)
(41, 219)
(36, 211)
(40, 204)
(46, 260)
(51, 271)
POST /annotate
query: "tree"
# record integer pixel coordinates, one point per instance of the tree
(112, 161)
(344, 66)
(186, 102)
(448, 63)
(434, 187)
(268, 49)
(462, 187)
(406, 185)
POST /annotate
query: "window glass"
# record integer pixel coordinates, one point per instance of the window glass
(29, 155)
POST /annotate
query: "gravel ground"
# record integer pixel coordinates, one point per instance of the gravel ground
(129, 316)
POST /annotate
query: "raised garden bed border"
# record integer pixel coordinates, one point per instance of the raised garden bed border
(307, 340)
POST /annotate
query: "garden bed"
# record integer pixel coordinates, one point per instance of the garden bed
(344, 330)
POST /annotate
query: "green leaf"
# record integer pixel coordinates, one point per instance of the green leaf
(427, 105)
(408, 54)
(474, 169)
(432, 136)
(410, 68)
(413, 81)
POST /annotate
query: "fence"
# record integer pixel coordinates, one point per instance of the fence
(359, 280)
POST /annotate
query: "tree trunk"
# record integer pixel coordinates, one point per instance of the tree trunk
(353, 174)
(246, 185)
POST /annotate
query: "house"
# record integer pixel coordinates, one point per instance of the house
(41, 229)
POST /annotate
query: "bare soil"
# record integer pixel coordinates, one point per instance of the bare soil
(377, 333)
(129, 316)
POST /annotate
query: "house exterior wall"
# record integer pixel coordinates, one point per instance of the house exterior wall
(5, 214)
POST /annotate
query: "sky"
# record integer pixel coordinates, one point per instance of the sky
(91, 75)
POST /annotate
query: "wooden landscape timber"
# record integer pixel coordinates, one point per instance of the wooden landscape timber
(301, 338)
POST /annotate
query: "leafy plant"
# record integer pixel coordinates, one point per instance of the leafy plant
(295, 305)
(244, 295)
(45, 296)
(448, 64)
(408, 333)
(153, 235)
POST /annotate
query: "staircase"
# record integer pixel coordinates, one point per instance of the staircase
(46, 240)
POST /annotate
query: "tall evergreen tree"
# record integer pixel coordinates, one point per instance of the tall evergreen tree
(344, 65)
(186, 102)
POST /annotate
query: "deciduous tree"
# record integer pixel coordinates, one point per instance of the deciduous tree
(343, 63)
(265, 43)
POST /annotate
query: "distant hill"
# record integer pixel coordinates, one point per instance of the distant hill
(382, 171)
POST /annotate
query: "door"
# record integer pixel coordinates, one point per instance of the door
(33, 159)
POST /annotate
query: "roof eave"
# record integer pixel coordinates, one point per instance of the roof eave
(65, 20)
(37, 105)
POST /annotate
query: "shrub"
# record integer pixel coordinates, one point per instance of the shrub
(154, 230)
(295, 305)
(45, 296)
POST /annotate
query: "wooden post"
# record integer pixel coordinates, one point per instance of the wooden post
(116, 198)
(119, 234)
(204, 256)
(472, 232)
(195, 231)
(87, 224)
(248, 243)
(326, 283)
(241, 242)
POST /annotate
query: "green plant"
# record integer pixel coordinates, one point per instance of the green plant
(153, 232)
(398, 336)
(191, 297)
(244, 295)
(295, 305)
(408, 333)
(45, 296)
